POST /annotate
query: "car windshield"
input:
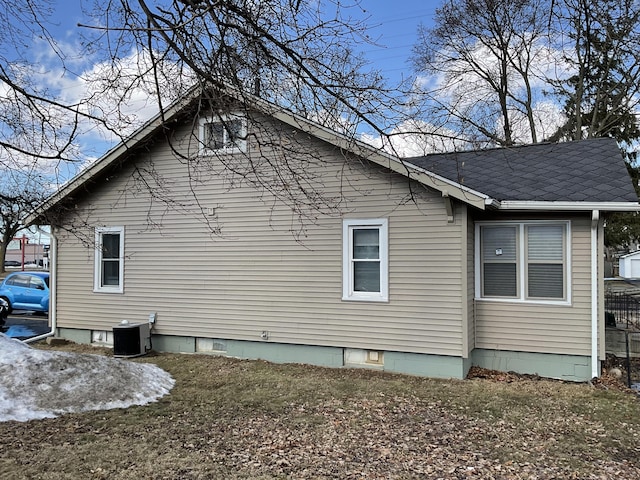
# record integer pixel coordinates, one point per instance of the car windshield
(46, 280)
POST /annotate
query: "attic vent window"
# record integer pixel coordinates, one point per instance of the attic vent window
(223, 134)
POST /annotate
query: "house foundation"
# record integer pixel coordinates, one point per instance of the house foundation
(565, 367)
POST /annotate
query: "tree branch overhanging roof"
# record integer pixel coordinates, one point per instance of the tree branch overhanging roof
(472, 177)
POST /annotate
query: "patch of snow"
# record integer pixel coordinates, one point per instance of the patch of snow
(39, 383)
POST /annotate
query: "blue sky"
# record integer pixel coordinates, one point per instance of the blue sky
(394, 25)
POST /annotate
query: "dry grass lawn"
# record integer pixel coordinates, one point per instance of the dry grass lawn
(233, 419)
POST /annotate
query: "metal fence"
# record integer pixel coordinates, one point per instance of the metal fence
(622, 310)
(622, 316)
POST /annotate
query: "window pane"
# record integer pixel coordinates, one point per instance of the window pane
(234, 128)
(366, 276)
(499, 243)
(546, 280)
(545, 242)
(366, 243)
(111, 245)
(19, 281)
(110, 273)
(500, 280)
(214, 135)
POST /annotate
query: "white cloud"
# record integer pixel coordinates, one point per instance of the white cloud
(415, 138)
(121, 96)
(124, 94)
(463, 89)
(548, 117)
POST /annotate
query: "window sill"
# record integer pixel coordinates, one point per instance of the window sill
(521, 301)
(376, 299)
(108, 290)
(223, 151)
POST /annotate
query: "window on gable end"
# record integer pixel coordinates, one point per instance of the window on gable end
(223, 134)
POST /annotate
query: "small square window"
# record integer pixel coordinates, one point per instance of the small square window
(223, 134)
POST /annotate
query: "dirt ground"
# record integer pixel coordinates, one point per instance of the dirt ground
(233, 419)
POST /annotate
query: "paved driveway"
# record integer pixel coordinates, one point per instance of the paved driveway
(23, 325)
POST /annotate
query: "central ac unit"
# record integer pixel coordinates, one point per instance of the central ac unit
(131, 339)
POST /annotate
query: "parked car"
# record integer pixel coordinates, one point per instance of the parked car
(4, 312)
(12, 263)
(26, 291)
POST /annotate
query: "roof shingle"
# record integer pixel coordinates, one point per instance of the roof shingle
(590, 170)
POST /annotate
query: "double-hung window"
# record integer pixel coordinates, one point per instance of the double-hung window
(223, 134)
(365, 260)
(525, 261)
(109, 260)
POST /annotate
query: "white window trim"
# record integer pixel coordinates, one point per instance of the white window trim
(521, 262)
(241, 148)
(347, 265)
(97, 269)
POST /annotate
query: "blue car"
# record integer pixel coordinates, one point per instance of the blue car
(26, 291)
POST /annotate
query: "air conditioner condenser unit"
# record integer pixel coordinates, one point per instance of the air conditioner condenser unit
(131, 339)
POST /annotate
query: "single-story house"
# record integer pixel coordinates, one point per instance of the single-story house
(256, 233)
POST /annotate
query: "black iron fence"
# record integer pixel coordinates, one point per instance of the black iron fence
(622, 316)
(622, 310)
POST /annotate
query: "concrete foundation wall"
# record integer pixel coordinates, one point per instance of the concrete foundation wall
(566, 367)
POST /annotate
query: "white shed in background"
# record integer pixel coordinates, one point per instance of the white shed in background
(630, 265)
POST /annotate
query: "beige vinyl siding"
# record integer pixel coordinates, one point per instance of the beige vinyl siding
(266, 271)
(542, 328)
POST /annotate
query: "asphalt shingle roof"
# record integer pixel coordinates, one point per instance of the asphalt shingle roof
(590, 170)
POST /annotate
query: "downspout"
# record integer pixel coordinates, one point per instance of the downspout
(595, 218)
(53, 277)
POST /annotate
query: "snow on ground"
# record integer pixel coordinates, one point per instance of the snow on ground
(39, 384)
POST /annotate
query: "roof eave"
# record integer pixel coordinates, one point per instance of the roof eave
(357, 147)
(106, 160)
(378, 156)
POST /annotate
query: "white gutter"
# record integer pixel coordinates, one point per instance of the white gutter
(569, 206)
(53, 270)
(595, 218)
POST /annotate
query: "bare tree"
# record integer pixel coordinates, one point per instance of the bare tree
(20, 193)
(295, 54)
(35, 120)
(601, 97)
(492, 64)
(602, 45)
(481, 60)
